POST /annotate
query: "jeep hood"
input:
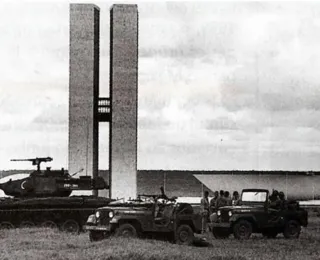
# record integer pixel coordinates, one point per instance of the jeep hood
(242, 207)
(125, 208)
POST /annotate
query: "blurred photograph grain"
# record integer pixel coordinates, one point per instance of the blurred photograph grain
(159, 130)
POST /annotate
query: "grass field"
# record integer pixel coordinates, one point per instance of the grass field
(48, 244)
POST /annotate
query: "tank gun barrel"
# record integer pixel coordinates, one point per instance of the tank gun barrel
(35, 161)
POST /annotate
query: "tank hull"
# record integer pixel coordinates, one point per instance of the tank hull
(55, 210)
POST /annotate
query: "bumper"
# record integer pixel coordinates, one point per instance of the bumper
(96, 228)
(220, 225)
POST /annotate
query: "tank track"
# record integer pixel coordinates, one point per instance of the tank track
(65, 213)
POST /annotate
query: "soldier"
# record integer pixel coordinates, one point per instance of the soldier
(281, 195)
(274, 199)
(205, 210)
(163, 196)
(228, 201)
(283, 202)
(221, 200)
(235, 198)
(213, 202)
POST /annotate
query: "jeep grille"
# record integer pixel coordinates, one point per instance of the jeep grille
(104, 218)
(224, 216)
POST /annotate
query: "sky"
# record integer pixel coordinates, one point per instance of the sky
(222, 85)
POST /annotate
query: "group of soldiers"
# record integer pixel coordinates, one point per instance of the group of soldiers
(220, 199)
(277, 200)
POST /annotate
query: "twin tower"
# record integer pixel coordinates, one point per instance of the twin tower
(87, 108)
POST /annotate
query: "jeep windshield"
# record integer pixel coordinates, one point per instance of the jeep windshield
(254, 196)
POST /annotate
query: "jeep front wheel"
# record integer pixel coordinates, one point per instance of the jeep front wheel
(184, 235)
(242, 229)
(220, 233)
(96, 235)
(292, 229)
(126, 230)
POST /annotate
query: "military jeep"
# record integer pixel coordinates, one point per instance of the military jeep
(256, 214)
(147, 215)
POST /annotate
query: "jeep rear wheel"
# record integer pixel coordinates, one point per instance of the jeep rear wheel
(242, 229)
(292, 229)
(126, 230)
(220, 233)
(96, 235)
(184, 235)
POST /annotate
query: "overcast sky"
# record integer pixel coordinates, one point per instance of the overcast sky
(222, 85)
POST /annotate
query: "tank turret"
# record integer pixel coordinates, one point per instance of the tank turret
(50, 183)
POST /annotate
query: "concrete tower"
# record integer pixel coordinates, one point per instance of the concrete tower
(84, 88)
(124, 98)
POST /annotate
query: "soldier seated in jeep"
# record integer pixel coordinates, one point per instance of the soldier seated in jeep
(257, 215)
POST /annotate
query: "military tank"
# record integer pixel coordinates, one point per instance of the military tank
(43, 199)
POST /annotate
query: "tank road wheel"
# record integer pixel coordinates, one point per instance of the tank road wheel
(242, 229)
(184, 235)
(126, 230)
(26, 224)
(96, 235)
(71, 226)
(292, 229)
(219, 233)
(49, 224)
(6, 225)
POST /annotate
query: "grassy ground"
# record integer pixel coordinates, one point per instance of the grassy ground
(49, 244)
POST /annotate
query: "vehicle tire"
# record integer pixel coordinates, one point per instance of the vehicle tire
(49, 224)
(71, 226)
(219, 233)
(270, 233)
(126, 230)
(292, 229)
(6, 225)
(242, 229)
(26, 224)
(96, 235)
(184, 235)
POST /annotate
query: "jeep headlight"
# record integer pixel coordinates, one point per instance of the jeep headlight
(98, 214)
(230, 213)
(111, 214)
(91, 219)
(219, 213)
